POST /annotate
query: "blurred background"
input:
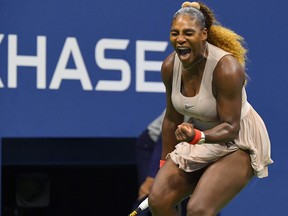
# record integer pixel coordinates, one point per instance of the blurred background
(80, 80)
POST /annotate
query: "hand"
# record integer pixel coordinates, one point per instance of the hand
(185, 132)
(145, 188)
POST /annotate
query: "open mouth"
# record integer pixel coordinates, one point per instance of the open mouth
(183, 51)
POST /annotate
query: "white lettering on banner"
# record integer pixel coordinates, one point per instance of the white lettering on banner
(1, 83)
(38, 61)
(112, 64)
(62, 72)
(71, 49)
(142, 65)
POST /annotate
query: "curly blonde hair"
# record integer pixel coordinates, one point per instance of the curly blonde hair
(224, 37)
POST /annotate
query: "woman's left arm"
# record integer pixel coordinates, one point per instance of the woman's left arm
(228, 81)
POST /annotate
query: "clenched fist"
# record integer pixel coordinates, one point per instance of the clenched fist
(185, 132)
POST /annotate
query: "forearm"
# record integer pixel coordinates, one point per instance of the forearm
(168, 137)
(222, 133)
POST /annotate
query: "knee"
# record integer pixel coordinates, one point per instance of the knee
(200, 209)
(155, 201)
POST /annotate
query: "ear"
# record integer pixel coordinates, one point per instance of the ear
(204, 34)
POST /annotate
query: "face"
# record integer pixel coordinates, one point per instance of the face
(187, 37)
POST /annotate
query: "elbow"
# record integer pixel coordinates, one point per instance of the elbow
(233, 132)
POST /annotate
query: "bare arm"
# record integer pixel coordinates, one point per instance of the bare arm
(228, 81)
(172, 118)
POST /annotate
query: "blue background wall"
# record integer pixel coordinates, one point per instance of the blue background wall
(71, 111)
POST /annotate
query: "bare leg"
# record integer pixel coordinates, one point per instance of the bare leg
(220, 182)
(170, 186)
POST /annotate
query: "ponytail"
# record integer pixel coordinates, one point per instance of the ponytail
(223, 37)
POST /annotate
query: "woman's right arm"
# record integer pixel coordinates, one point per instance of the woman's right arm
(172, 118)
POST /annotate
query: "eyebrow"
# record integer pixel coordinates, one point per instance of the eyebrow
(185, 30)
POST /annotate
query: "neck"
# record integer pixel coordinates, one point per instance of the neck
(196, 62)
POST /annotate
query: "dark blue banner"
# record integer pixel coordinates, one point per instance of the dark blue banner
(71, 68)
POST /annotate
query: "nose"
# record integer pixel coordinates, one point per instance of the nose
(180, 39)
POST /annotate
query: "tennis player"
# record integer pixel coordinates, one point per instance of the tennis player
(225, 144)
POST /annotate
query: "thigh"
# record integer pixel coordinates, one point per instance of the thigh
(173, 184)
(222, 180)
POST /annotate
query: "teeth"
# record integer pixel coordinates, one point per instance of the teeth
(182, 48)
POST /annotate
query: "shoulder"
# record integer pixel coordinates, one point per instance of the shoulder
(167, 68)
(229, 72)
(168, 63)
